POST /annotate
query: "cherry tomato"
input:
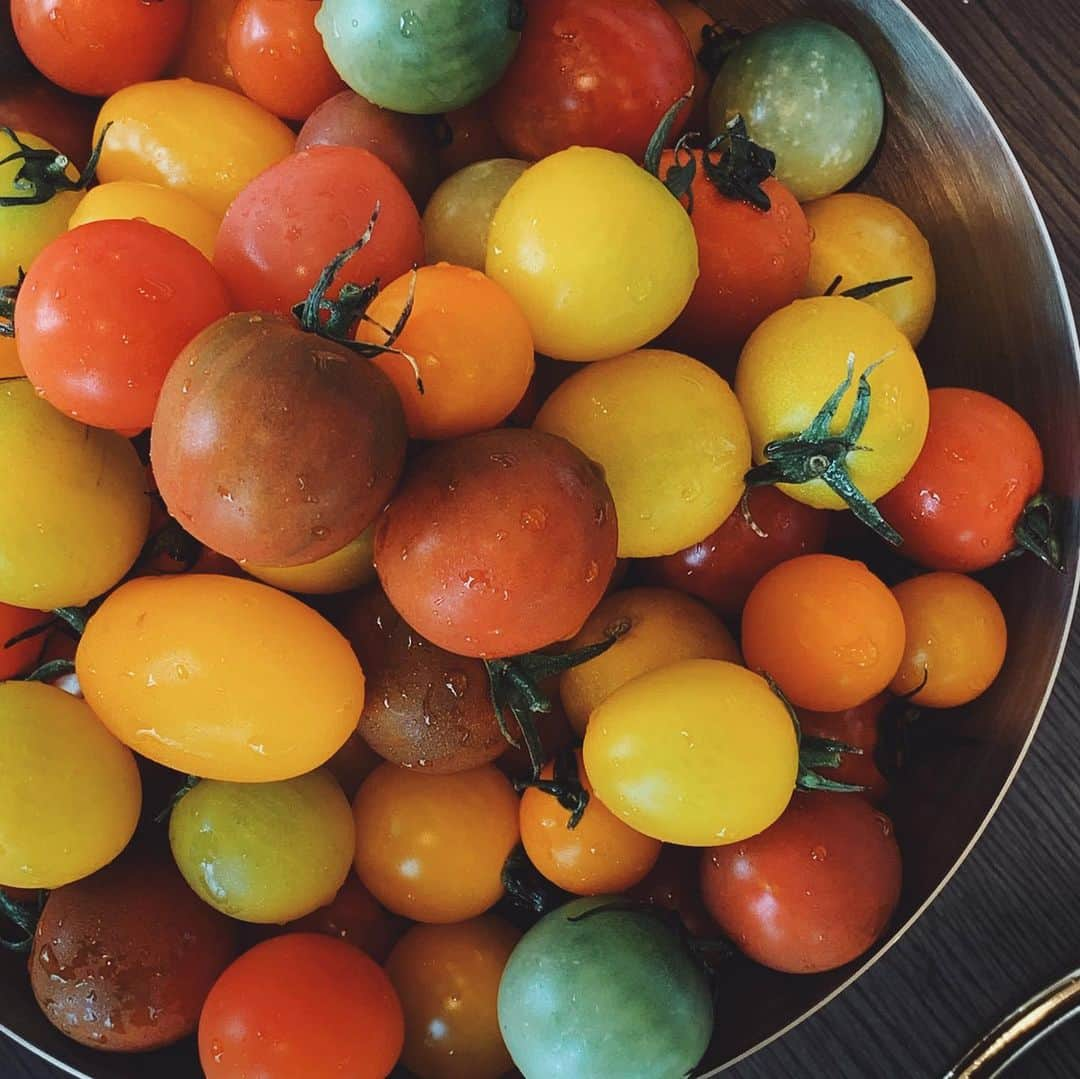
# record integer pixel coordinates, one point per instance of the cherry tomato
(64, 120)
(598, 74)
(203, 140)
(432, 847)
(498, 543)
(962, 502)
(697, 752)
(288, 682)
(599, 855)
(264, 852)
(956, 640)
(162, 206)
(856, 727)
(351, 567)
(673, 884)
(96, 47)
(827, 629)
(301, 1005)
(420, 56)
(724, 567)
(663, 627)
(16, 659)
(447, 977)
(458, 217)
(306, 441)
(860, 239)
(596, 251)
(423, 707)
(353, 763)
(203, 55)
(69, 792)
(810, 93)
(752, 262)
(104, 312)
(285, 226)
(799, 356)
(76, 520)
(468, 135)
(812, 892)
(405, 143)
(470, 342)
(278, 58)
(670, 437)
(124, 959)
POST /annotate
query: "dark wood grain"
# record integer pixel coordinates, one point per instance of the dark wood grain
(1009, 922)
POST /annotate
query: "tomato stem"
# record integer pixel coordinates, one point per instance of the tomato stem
(527, 888)
(716, 44)
(565, 786)
(871, 288)
(50, 671)
(817, 454)
(33, 631)
(74, 618)
(737, 166)
(189, 784)
(23, 916)
(43, 173)
(1037, 531)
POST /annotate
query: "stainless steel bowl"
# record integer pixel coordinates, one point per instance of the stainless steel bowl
(1003, 325)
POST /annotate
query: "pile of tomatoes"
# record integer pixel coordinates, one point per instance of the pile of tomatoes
(435, 435)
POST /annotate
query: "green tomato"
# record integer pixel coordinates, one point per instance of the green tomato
(264, 852)
(613, 994)
(810, 94)
(419, 56)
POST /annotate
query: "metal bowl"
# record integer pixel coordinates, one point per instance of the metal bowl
(1003, 325)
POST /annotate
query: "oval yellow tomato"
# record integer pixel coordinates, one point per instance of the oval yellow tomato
(596, 251)
(74, 512)
(860, 239)
(351, 567)
(69, 792)
(220, 677)
(162, 206)
(204, 141)
(699, 753)
(671, 438)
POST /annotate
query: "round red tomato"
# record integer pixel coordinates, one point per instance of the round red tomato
(597, 74)
(292, 219)
(857, 727)
(301, 1004)
(498, 543)
(724, 567)
(961, 504)
(105, 310)
(467, 135)
(813, 891)
(96, 47)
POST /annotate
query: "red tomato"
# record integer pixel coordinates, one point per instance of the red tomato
(291, 220)
(104, 311)
(61, 119)
(405, 143)
(16, 659)
(597, 74)
(278, 58)
(724, 567)
(959, 506)
(469, 135)
(856, 727)
(96, 47)
(813, 891)
(301, 1005)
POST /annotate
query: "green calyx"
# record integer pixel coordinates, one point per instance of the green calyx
(716, 45)
(817, 454)
(43, 173)
(189, 784)
(24, 917)
(50, 671)
(870, 288)
(527, 888)
(336, 320)
(8, 295)
(1037, 532)
(564, 786)
(174, 542)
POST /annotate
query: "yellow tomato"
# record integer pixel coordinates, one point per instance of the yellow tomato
(201, 140)
(351, 567)
(860, 239)
(220, 677)
(458, 215)
(698, 753)
(161, 206)
(25, 230)
(69, 792)
(670, 437)
(597, 252)
(798, 357)
(664, 627)
(73, 510)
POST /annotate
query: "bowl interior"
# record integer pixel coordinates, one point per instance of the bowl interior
(1003, 325)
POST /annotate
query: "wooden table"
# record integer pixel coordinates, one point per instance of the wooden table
(1009, 922)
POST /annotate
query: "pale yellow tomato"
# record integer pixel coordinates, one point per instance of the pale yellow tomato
(671, 439)
(597, 252)
(861, 239)
(351, 567)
